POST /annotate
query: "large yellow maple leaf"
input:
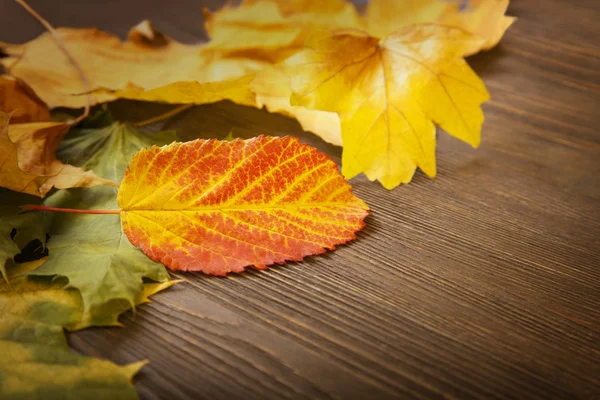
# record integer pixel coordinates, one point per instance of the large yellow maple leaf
(248, 39)
(280, 28)
(389, 92)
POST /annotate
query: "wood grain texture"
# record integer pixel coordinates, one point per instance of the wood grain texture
(482, 283)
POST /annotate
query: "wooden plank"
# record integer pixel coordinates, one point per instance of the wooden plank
(482, 283)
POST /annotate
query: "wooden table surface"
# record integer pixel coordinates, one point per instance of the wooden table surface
(482, 283)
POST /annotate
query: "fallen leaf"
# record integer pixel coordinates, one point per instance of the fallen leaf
(257, 34)
(248, 39)
(53, 302)
(8, 248)
(382, 91)
(483, 18)
(272, 30)
(18, 98)
(37, 363)
(448, 93)
(91, 251)
(36, 360)
(27, 161)
(147, 62)
(236, 89)
(273, 91)
(218, 206)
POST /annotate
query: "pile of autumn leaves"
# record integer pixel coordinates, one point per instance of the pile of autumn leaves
(375, 83)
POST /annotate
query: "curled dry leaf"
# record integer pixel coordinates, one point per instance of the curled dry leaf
(219, 206)
(27, 161)
(148, 61)
(153, 67)
(17, 97)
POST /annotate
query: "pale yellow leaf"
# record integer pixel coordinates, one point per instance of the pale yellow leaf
(147, 62)
(272, 87)
(272, 30)
(483, 18)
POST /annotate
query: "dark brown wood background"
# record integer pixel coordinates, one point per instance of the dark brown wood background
(482, 283)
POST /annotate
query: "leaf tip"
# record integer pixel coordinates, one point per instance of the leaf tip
(135, 367)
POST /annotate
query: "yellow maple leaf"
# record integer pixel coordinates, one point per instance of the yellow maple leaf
(483, 18)
(382, 91)
(273, 91)
(258, 34)
(27, 161)
(278, 28)
(272, 30)
(149, 66)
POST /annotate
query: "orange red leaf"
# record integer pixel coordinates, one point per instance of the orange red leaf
(219, 206)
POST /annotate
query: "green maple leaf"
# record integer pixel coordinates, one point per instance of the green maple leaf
(92, 275)
(36, 361)
(91, 251)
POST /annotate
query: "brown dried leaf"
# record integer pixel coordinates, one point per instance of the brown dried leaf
(17, 96)
(27, 161)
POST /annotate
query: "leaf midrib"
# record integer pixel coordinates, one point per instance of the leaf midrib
(245, 208)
